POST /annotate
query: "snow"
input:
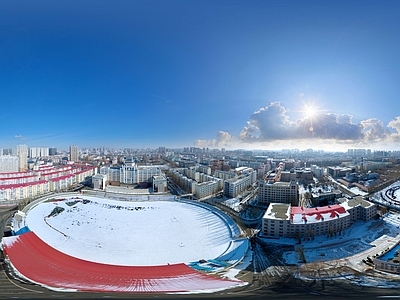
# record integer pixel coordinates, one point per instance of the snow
(145, 233)
(314, 215)
(389, 196)
(153, 233)
(233, 203)
(362, 239)
(233, 272)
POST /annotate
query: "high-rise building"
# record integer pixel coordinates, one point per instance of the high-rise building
(161, 150)
(52, 151)
(7, 151)
(73, 153)
(22, 153)
(38, 152)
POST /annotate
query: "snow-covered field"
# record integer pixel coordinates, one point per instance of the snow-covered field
(143, 233)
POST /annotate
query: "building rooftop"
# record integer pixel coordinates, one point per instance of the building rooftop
(300, 215)
(279, 211)
(353, 202)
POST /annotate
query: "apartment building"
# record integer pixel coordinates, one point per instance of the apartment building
(278, 192)
(237, 185)
(195, 182)
(205, 189)
(285, 220)
(8, 163)
(24, 185)
(37, 152)
(131, 173)
(22, 153)
(73, 153)
(359, 208)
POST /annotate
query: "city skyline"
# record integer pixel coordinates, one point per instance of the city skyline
(214, 74)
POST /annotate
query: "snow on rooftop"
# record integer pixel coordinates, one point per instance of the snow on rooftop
(353, 202)
(130, 233)
(299, 214)
(317, 214)
(279, 211)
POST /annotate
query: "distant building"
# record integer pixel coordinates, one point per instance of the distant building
(73, 153)
(37, 152)
(22, 153)
(52, 151)
(7, 151)
(298, 175)
(317, 171)
(386, 266)
(161, 150)
(336, 172)
(8, 163)
(130, 173)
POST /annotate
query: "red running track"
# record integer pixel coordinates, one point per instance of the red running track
(42, 264)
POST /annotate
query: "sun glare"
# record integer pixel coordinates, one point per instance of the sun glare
(311, 114)
(310, 111)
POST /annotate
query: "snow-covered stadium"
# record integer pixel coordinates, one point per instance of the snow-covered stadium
(85, 243)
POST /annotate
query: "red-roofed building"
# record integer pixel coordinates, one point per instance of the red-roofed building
(29, 184)
(62, 182)
(23, 190)
(284, 220)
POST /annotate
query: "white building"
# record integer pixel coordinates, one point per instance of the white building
(235, 186)
(317, 171)
(195, 182)
(25, 185)
(99, 181)
(160, 184)
(278, 192)
(208, 188)
(22, 153)
(131, 173)
(73, 153)
(8, 163)
(37, 152)
(359, 208)
(285, 220)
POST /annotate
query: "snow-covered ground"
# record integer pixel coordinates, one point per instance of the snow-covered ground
(233, 203)
(361, 237)
(145, 233)
(392, 199)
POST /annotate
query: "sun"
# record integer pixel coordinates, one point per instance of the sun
(310, 111)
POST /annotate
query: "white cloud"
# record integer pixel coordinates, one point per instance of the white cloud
(222, 139)
(270, 127)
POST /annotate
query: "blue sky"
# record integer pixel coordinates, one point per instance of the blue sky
(234, 74)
